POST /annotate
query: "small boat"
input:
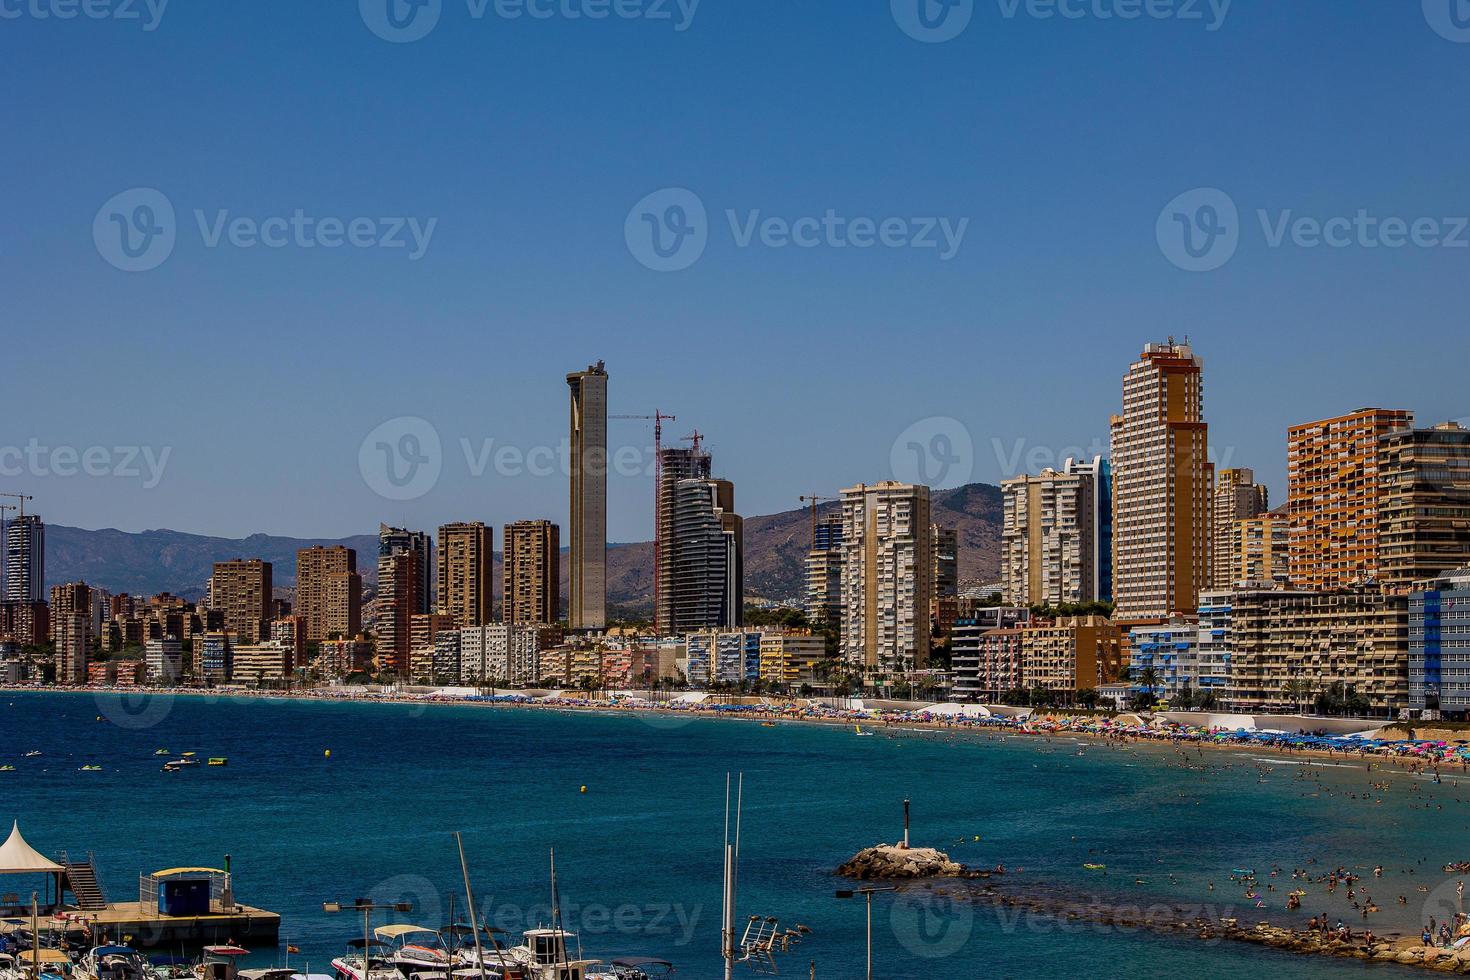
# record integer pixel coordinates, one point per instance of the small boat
(219, 761)
(1096, 867)
(112, 963)
(378, 960)
(7, 769)
(186, 760)
(220, 963)
(93, 768)
(162, 752)
(419, 949)
(858, 730)
(33, 753)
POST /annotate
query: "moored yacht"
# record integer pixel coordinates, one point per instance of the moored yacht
(112, 963)
(374, 962)
(419, 950)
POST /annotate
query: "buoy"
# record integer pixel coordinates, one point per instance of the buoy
(328, 753)
(584, 789)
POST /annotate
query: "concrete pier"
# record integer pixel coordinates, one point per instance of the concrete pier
(242, 925)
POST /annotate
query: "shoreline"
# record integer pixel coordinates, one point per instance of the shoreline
(1045, 727)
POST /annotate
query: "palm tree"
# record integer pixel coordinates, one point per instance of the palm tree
(1148, 678)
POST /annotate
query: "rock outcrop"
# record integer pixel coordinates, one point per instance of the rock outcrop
(889, 862)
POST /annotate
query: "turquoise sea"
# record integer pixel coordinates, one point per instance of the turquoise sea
(638, 854)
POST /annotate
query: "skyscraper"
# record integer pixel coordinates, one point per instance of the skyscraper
(1162, 486)
(706, 547)
(241, 591)
(328, 592)
(466, 560)
(1332, 494)
(25, 559)
(1237, 497)
(531, 573)
(887, 577)
(404, 560)
(676, 463)
(588, 581)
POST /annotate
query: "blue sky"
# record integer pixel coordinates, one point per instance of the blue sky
(261, 370)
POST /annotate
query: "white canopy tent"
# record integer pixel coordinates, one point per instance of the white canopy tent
(19, 858)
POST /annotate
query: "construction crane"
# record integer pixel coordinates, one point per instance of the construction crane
(22, 497)
(813, 499)
(658, 419)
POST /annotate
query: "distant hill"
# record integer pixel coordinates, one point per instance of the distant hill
(147, 562)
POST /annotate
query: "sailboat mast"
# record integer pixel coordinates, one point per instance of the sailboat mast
(469, 898)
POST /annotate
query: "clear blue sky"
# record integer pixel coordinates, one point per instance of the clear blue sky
(261, 370)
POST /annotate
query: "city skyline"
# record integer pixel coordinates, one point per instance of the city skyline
(529, 252)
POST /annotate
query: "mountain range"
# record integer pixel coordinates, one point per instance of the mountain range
(147, 562)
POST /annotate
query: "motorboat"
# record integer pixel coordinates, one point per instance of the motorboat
(268, 973)
(543, 956)
(378, 959)
(220, 963)
(112, 963)
(416, 949)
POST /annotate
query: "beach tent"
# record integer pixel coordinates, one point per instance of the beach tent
(19, 858)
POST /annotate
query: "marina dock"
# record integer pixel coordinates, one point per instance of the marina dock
(242, 925)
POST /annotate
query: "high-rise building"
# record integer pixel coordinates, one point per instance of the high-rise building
(1439, 646)
(824, 573)
(1262, 544)
(1162, 485)
(676, 463)
(393, 540)
(71, 630)
(587, 606)
(1424, 508)
(1237, 498)
(1288, 646)
(700, 545)
(531, 573)
(328, 592)
(466, 563)
(1332, 495)
(705, 587)
(241, 591)
(887, 577)
(25, 559)
(946, 561)
(405, 559)
(1049, 533)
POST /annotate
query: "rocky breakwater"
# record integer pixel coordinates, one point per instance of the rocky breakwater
(1407, 952)
(893, 862)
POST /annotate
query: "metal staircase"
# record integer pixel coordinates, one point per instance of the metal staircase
(81, 881)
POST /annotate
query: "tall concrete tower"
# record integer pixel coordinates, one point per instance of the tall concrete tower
(587, 607)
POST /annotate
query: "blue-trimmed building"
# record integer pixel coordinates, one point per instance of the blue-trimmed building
(1439, 647)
